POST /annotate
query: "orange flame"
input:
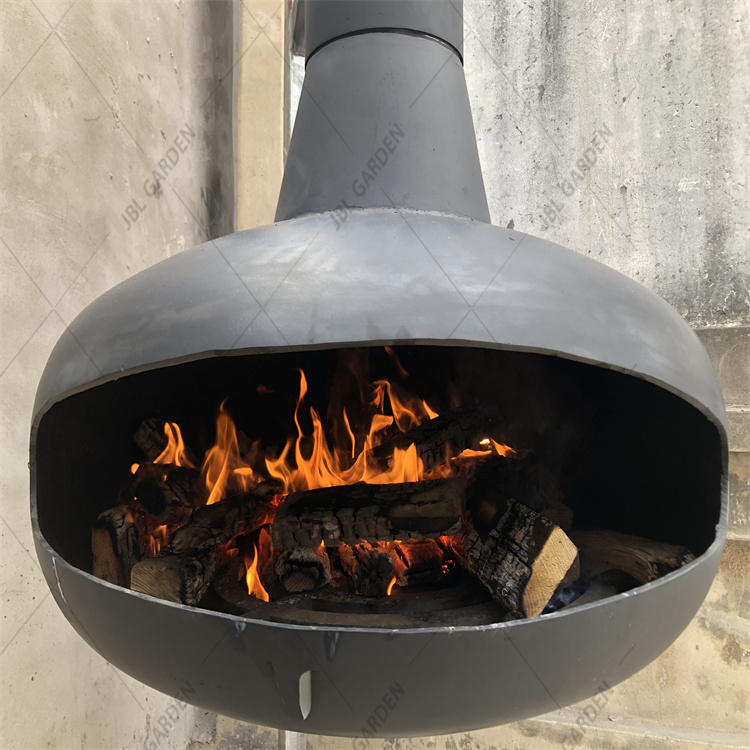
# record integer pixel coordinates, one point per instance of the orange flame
(315, 464)
(157, 540)
(174, 453)
(390, 586)
(500, 449)
(408, 411)
(254, 586)
(223, 468)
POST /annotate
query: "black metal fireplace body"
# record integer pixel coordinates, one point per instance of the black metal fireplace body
(590, 369)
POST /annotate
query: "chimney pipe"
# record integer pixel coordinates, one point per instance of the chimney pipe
(384, 117)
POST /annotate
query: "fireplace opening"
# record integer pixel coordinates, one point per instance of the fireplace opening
(612, 452)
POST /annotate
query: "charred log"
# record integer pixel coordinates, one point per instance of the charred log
(119, 539)
(643, 559)
(219, 523)
(150, 438)
(494, 480)
(417, 562)
(167, 492)
(370, 567)
(438, 439)
(521, 561)
(301, 569)
(351, 514)
(152, 441)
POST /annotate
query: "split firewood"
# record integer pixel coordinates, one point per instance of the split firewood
(119, 539)
(521, 561)
(417, 562)
(643, 559)
(182, 578)
(152, 441)
(438, 439)
(302, 569)
(219, 523)
(370, 567)
(167, 492)
(350, 514)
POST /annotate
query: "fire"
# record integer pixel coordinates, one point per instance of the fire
(175, 452)
(408, 411)
(157, 539)
(223, 468)
(502, 450)
(308, 461)
(254, 586)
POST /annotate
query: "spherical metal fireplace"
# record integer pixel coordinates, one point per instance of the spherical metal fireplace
(574, 354)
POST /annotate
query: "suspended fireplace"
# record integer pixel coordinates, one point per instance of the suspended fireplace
(381, 452)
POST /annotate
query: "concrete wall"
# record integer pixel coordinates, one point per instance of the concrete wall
(95, 98)
(665, 85)
(94, 95)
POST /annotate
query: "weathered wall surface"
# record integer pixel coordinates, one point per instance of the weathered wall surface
(117, 148)
(620, 130)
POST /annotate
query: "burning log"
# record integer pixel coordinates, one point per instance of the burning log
(152, 440)
(521, 561)
(219, 523)
(370, 567)
(417, 562)
(182, 578)
(302, 569)
(350, 514)
(198, 549)
(167, 492)
(119, 539)
(643, 559)
(438, 439)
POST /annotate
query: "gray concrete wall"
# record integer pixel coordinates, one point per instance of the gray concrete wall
(93, 96)
(663, 89)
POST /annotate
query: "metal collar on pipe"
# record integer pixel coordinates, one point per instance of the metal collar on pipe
(326, 20)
